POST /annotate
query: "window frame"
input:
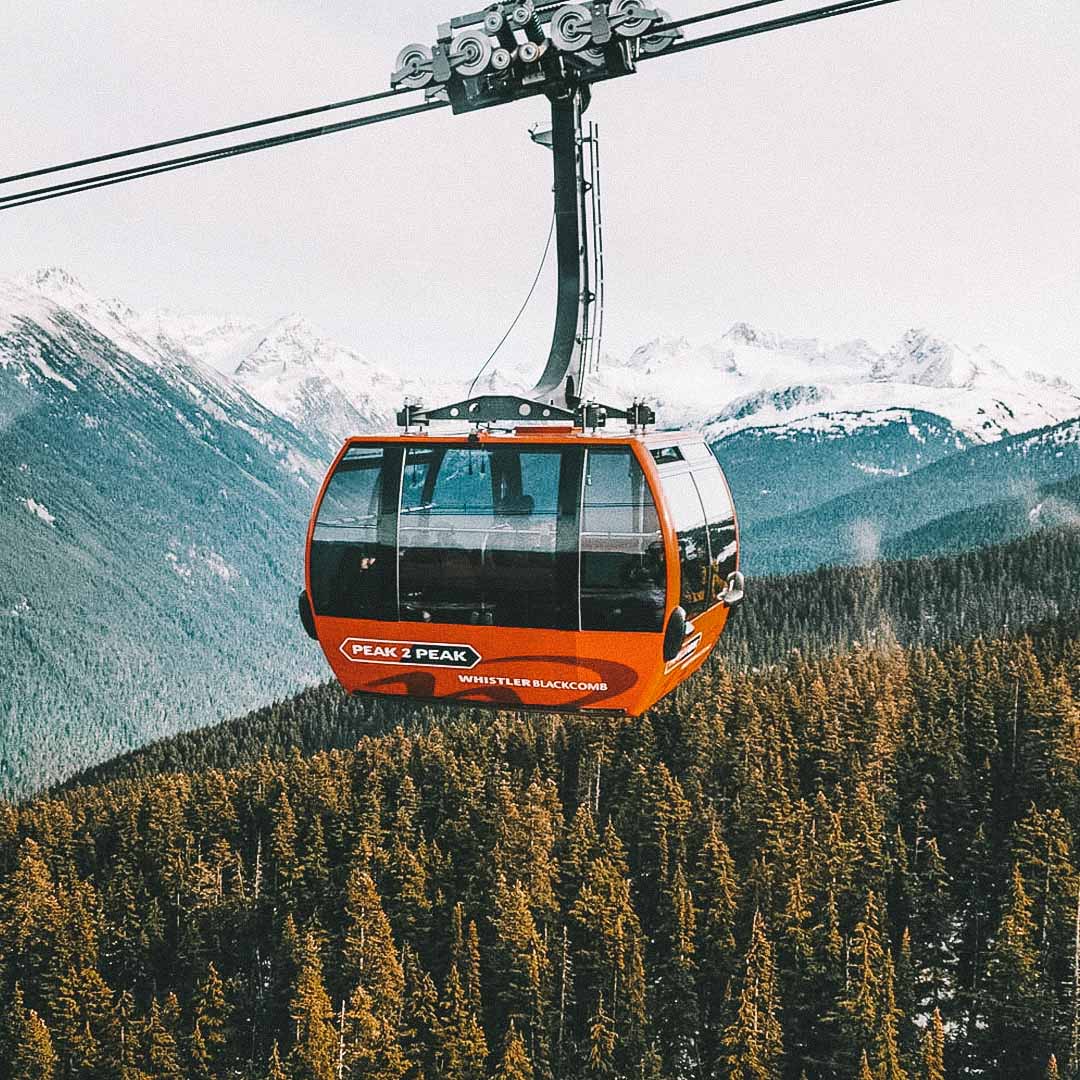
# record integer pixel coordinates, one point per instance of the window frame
(395, 454)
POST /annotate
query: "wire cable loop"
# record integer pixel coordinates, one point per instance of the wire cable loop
(521, 310)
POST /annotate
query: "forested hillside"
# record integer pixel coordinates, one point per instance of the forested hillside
(152, 518)
(1030, 585)
(849, 862)
(878, 517)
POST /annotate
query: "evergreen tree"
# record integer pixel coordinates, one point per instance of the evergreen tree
(162, 1052)
(1012, 985)
(514, 1064)
(370, 1043)
(420, 1023)
(933, 1049)
(34, 1057)
(521, 975)
(676, 1006)
(288, 868)
(211, 1019)
(870, 1014)
(275, 1070)
(753, 1041)
(459, 1036)
(601, 1042)
(369, 955)
(314, 1052)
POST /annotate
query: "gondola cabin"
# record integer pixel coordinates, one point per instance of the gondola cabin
(542, 567)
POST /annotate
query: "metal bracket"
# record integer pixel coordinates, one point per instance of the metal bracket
(496, 408)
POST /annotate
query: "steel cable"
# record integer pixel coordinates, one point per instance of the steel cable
(72, 187)
(690, 20)
(231, 129)
(813, 15)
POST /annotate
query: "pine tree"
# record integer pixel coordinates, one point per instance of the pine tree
(199, 1058)
(933, 1049)
(369, 955)
(162, 1052)
(515, 1064)
(521, 969)
(602, 1041)
(283, 849)
(275, 1070)
(314, 1052)
(676, 1005)
(1012, 985)
(753, 1041)
(870, 1013)
(85, 1022)
(370, 1043)
(420, 1022)
(34, 1058)
(864, 1068)
(459, 1036)
(211, 1018)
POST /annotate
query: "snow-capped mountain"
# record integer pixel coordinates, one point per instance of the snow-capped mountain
(325, 389)
(745, 378)
(153, 516)
(931, 508)
(752, 378)
(160, 468)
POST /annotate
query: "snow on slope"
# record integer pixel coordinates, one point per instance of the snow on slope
(747, 378)
(325, 389)
(750, 378)
(50, 305)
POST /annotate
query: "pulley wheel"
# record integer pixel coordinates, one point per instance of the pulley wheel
(529, 53)
(631, 26)
(654, 43)
(522, 14)
(500, 59)
(493, 22)
(470, 53)
(410, 60)
(571, 28)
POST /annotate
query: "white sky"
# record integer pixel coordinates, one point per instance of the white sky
(913, 165)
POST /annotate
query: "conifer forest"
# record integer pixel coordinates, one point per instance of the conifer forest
(848, 848)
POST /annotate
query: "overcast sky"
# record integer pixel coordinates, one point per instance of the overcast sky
(914, 165)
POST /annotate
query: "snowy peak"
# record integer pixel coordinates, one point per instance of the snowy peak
(55, 282)
(749, 377)
(922, 359)
(746, 377)
(292, 343)
(742, 333)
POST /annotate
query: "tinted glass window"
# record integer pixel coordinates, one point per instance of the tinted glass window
(667, 455)
(488, 535)
(721, 518)
(352, 551)
(682, 500)
(622, 549)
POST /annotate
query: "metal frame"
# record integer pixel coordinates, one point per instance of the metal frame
(488, 409)
(507, 52)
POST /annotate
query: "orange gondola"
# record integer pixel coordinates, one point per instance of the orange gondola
(535, 567)
(551, 565)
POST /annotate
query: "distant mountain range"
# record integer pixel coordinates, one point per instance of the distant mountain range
(159, 469)
(152, 515)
